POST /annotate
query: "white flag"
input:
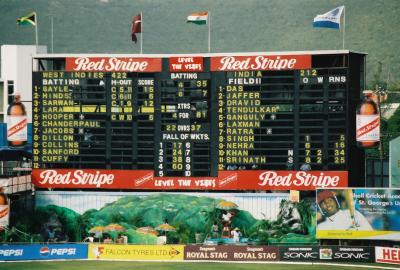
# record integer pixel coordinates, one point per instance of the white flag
(331, 19)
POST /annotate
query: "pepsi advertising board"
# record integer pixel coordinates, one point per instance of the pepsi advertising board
(43, 252)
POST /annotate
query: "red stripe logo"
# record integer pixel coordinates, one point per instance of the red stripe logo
(368, 127)
(17, 127)
(4, 212)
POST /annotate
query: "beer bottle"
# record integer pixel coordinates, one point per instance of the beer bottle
(17, 123)
(367, 123)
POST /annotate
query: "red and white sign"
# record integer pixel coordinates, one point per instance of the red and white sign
(17, 128)
(4, 215)
(260, 62)
(387, 255)
(117, 64)
(186, 64)
(226, 180)
(368, 128)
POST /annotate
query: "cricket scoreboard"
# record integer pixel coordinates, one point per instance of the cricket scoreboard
(245, 121)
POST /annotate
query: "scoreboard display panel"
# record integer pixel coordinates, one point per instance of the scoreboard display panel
(216, 121)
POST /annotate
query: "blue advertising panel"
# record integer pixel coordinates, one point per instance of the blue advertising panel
(358, 214)
(43, 252)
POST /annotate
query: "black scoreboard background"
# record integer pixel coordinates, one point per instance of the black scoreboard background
(180, 119)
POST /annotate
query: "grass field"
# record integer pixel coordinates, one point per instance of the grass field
(105, 265)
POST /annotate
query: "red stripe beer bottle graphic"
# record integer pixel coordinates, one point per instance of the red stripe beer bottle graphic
(368, 123)
(17, 123)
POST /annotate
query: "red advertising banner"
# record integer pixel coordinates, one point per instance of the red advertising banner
(231, 253)
(117, 64)
(387, 255)
(186, 64)
(260, 62)
(226, 180)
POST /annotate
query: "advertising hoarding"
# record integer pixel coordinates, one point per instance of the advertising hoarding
(347, 254)
(226, 180)
(43, 252)
(326, 253)
(135, 252)
(387, 255)
(299, 253)
(358, 214)
(231, 253)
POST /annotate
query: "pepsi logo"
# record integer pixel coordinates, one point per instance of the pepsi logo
(44, 251)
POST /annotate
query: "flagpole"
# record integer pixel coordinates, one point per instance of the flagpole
(209, 32)
(36, 32)
(344, 23)
(141, 32)
(52, 34)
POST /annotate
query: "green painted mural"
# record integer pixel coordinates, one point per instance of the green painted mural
(170, 218)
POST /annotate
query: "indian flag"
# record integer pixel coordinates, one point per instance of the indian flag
(28, 19)
(198, 18)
